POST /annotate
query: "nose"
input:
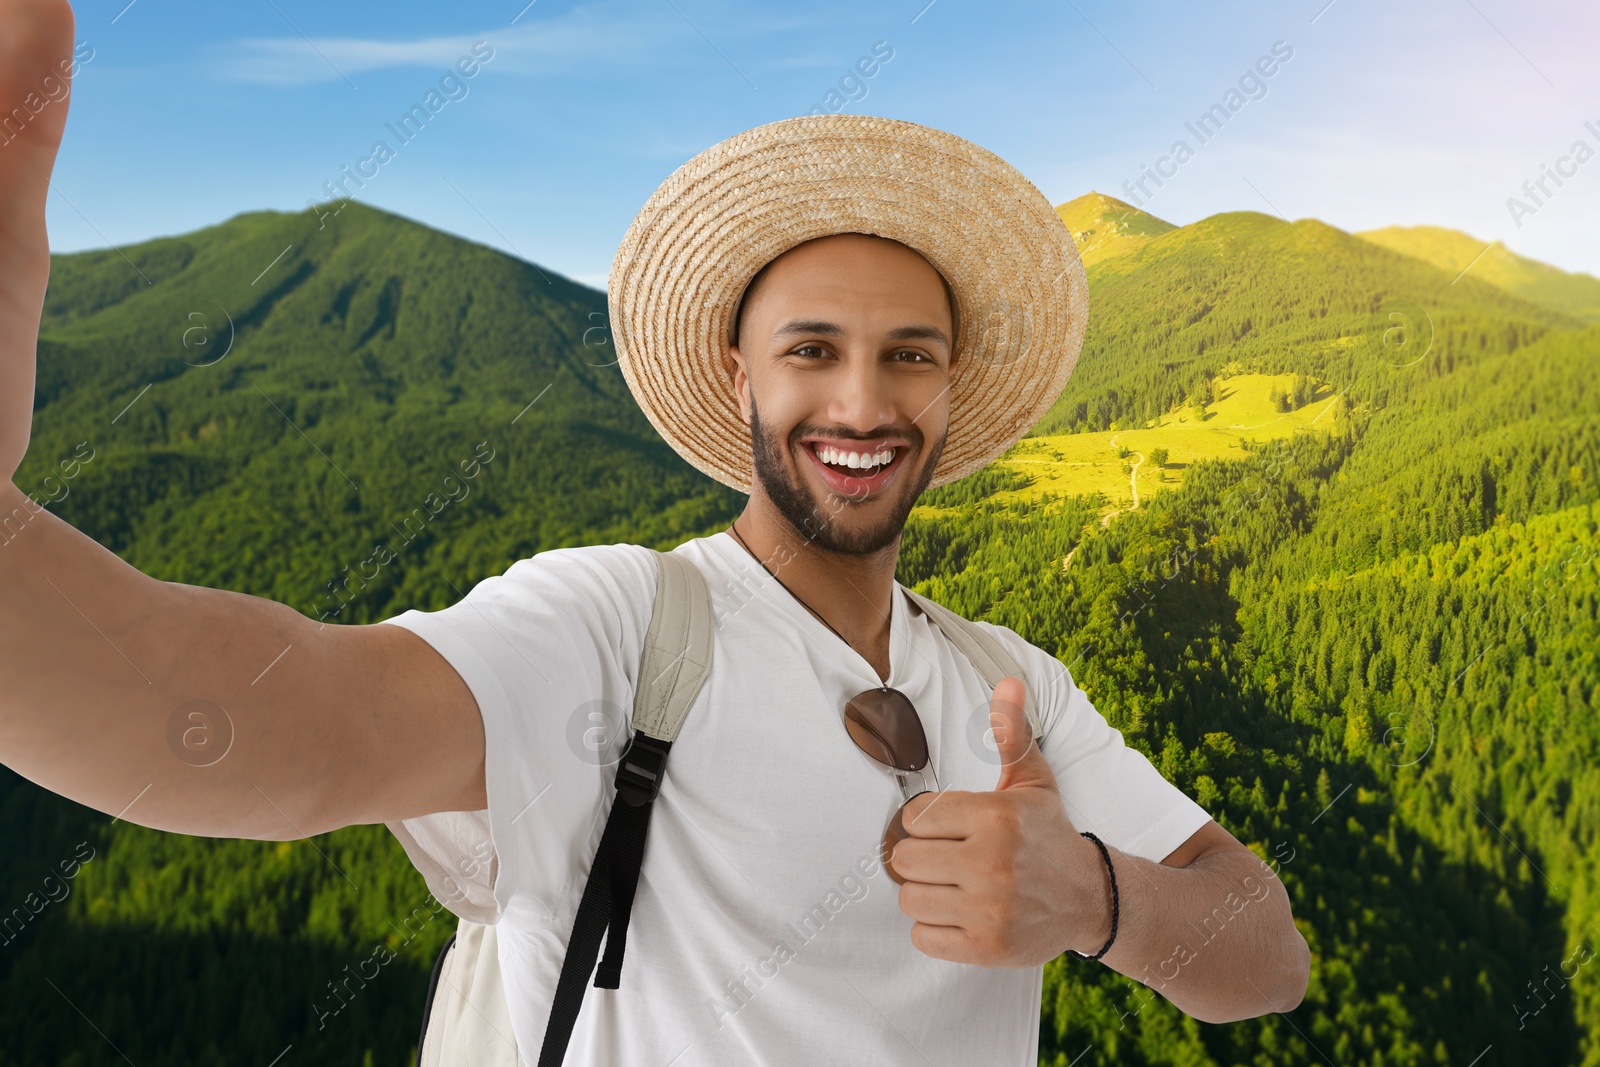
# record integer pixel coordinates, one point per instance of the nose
(863, 396)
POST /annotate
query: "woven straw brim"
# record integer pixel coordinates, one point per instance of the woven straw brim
(1022, 299)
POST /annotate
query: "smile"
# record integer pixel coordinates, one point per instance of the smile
(858, 470)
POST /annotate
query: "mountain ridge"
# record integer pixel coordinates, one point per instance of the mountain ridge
(1107, 229)
(1459, 253)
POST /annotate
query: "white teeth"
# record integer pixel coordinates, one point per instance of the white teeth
(854, 460)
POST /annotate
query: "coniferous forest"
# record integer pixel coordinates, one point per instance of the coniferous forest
(1371, 647)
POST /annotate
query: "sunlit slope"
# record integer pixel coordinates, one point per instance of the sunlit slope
(1069, 464)
(1104, 226)
(1115, 462)
(1453, 251)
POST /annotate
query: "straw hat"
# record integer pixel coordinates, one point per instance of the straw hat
(1021, 297)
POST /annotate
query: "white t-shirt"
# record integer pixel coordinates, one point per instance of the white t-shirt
(764, 930)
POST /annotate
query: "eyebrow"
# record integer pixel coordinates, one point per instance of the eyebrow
(916, 331)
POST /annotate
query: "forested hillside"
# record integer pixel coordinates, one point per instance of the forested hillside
(1368, 647)
(1273, 297)
(1490, 261)
(302, 409)
(1373, 656)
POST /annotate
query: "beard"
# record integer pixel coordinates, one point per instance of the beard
(817, 520)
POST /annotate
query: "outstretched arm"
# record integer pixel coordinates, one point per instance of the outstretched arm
(172, 706)
(216, 713)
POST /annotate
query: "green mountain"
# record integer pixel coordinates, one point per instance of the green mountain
(1247, 292)
(1103, 226)
(318, 385)
(1366, 641)
(1535, 282)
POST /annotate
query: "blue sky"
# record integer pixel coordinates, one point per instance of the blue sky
(1435, 111)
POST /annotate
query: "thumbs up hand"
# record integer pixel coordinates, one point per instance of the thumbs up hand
(1002, 878)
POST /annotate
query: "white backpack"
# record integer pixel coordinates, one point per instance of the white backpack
(465, 1019)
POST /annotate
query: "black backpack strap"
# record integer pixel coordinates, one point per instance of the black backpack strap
(676, 663)
(638, 782)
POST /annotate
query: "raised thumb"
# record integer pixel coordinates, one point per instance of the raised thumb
(1022, 764)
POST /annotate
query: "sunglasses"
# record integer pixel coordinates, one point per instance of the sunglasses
(884, 724)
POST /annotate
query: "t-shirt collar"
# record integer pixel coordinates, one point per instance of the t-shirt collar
(734, 555)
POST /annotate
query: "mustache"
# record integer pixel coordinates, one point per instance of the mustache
(909, 432)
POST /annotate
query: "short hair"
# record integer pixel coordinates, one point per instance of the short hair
(749, 290)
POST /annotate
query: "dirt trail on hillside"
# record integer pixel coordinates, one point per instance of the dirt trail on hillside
(1133, 486)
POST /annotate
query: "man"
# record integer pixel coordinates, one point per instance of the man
(854, 374)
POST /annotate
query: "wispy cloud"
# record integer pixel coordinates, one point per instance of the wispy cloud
(814, 60)
(589, 37)
(298, 61)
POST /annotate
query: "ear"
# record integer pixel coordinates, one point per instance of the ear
(741, 382)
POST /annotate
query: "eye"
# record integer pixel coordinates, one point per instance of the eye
(913, 355)
(818, 349)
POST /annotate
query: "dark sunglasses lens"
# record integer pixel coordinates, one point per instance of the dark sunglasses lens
(885, 726)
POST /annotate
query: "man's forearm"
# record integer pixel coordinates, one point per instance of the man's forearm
(1216, 938)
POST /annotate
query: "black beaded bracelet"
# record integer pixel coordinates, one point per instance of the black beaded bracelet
(1115, 904)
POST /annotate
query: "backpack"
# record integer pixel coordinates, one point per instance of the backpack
(465, 1018)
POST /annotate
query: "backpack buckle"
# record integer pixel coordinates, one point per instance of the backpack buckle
(639, 769)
